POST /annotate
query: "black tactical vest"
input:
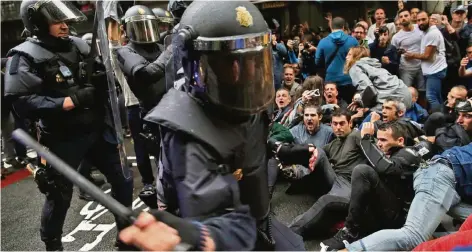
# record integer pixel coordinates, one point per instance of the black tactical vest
(240, 147)
(61, 76)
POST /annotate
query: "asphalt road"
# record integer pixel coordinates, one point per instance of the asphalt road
(88, 225)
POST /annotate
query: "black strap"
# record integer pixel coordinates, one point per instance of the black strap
(331, 57)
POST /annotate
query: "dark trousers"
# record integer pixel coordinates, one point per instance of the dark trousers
(372, 202)
(73, 149)
(332, 206)
(142, 155)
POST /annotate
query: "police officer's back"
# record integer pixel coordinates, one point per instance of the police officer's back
(215, 132)
(46, 79)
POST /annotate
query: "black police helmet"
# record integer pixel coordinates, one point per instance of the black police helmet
(38, 14)
(201, 15)
(166, 20)
(230, 61)
(140, 25)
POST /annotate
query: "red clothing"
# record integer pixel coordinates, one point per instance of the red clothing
(463, 237)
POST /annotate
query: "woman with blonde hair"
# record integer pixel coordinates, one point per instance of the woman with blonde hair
(373, 82)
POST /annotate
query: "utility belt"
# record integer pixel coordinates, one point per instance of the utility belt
(47, 180)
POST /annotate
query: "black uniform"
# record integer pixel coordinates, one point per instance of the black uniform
(41, 73)
(214, 133)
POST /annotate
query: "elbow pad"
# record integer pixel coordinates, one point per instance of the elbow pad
(129, 61)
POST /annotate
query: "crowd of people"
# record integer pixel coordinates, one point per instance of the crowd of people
(376, 123)
(364, 96)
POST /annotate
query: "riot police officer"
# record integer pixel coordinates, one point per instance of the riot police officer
(165, 18)
(45, 79)
(141, 64)
(141, 60)
(213, 151)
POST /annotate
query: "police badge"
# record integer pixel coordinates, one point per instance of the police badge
(243, 16)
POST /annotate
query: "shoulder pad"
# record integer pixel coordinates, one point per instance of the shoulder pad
(178, 112)
(32, 51)
(83, 47)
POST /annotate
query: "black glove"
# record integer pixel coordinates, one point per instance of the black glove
(294, 154)
(84, 97)
(189, 232)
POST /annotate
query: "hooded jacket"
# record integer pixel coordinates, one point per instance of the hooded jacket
(326, 48)
(368, 72)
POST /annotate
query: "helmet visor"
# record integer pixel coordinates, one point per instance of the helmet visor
(240, 80)
(143, 29)
(60, 11)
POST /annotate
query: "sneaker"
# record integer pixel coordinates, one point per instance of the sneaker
(14, 163)
(339, 241)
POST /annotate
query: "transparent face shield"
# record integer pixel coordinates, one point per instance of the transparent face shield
(59, 11)
(142, 29)
(240, 79)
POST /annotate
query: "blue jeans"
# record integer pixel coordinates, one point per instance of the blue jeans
(435, 194)
(433, 88)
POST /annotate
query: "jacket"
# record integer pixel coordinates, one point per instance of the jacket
(326, 48)
(368, 72)
(390, 51)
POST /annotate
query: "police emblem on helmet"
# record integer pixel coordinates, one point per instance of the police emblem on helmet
(141, 11)
(243, 16)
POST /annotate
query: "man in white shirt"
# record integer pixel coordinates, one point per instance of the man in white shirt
(379, 21)
(409, 39)
(433, 60)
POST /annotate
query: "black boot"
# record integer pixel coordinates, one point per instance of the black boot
(54, 245)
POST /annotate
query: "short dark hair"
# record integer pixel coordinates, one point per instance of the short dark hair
(396, 128)
(425, 12)
(403, 10)
(384, 29)
(318, 109)
(338, 23)
(379, 9)
(283, 89)
(342, 112)
(359, 25)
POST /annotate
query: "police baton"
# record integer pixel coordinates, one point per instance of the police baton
(80, 181)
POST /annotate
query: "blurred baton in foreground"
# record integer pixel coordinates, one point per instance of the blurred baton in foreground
(80, 181)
